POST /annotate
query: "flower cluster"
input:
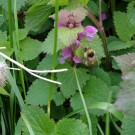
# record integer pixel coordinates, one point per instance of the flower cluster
(68, 53)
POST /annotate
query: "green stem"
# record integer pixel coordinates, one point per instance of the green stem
(100, 129)
(102, 33)
(100, 12)
(10, 18)
(54, 54)
(18, 53)
(107, 127)
(112, 6)
(84, 103)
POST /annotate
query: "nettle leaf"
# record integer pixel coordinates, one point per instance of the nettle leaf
(3, 92)
(126, 62)
(61, 2)
(126, 97)
(128, 125)
(19, 4)
(37, 15)
(95, 91)
(1, 20)
(131, 12)
(30, 48)
(3, 36)
(115, 78)
(124, 28)
(100, 73)
(38, 120)
(22, 33)
(38, 93)
(48, 44)
(68, 36)
(118, 45)
(71, 127)
(8, 51)
(68, 80)
(96, 45)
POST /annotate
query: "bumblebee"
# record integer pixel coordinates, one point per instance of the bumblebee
(89, 57)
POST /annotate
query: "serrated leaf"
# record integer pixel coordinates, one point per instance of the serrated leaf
(128, 125)
(100, 73)
(118, 45)
(22, 33)
(126, 62)
(68, 36)
(8, 51)
(30, 48)
(71, 127)
(39, 121)
(48, 44)
(95, 91)
(3, 36)
(38, 93)
(131, 12)
(68, 80)
(37, 15)
(3, 92)
(126, 97)
(124, 28)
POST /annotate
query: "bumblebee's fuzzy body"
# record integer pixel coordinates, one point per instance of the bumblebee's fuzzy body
(89, 57)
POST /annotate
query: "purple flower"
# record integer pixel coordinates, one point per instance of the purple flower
(76, 59)
(88, 32)
(104, 17)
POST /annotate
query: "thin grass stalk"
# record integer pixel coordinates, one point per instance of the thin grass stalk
(18, 57)
(84, 103)
(54, 54)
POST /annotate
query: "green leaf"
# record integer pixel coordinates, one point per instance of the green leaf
(37, 15)
(68, 80)
(71, 127)
(126, 97)
(95, 91)
(3, 36)
(30, 48)
(1, 20)
(48, 44)
(124, 28)
(68, 36)
(8, 51)
(19, 4)
(3, 92)
(128, 125)
(131, 12)
(61, 2)
(38, 93)
(100, 73)
(38, 120)
(118, 45)
(22, 33)
(84, 2)
(126, 62)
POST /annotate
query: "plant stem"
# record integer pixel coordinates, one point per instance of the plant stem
(100, 12)
(112, 6)
(18, 56)
(84, 103)
(100, 129)
(107, 127)
(54, 54)
(102, 33)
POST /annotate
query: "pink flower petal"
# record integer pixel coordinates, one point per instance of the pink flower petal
(104, 17)
(77, 59)
(67, 52)
(62, 60)
(90, 30)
